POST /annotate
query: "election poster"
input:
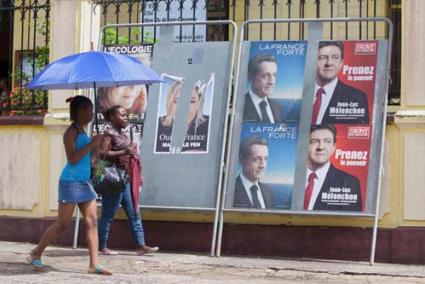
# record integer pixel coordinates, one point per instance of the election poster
(175, 11)
(198, 117)
(271, 98)
(132, 98)
(274, 81)
(340, 135)
(267, 158)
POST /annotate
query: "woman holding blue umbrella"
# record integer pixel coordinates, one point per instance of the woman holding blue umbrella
(85, 70)
(74, 186)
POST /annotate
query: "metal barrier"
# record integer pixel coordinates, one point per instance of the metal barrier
(195, 67)
(315, 30)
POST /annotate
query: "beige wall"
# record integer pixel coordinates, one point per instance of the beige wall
(414, 173)
(414, 46)
(410, 118)
(20, 170)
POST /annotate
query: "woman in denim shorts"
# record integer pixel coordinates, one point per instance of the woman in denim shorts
(74, 186)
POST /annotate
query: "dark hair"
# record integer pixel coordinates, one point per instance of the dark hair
(246, 146)
(329, 127)
(110, 112)
(255, 62)
(76, 103)
(336, 43)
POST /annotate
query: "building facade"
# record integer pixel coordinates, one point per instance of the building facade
(31, 127)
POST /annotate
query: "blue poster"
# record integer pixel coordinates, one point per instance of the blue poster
(275, 75)
(270, 119)
(267, 157)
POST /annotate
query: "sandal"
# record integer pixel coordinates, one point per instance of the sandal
(100, 270)
(35, 262)
(146, 249)
(106, 251)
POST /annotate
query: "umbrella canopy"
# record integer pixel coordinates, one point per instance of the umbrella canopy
(91, 70)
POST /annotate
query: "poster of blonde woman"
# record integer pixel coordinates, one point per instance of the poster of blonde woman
(132, 98)
(198, 117)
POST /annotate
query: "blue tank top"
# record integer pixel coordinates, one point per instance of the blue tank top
(79, 171)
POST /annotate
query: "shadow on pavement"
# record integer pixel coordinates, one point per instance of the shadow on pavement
(15, 268)
(65, 252)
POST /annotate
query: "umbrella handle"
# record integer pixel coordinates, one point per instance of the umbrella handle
(95, 108)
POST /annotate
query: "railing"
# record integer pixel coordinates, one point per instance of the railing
(29, 22)
(25, 26)
(130, 11)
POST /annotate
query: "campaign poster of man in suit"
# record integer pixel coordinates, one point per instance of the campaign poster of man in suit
(274, 82)
(250, 192)
(336, 102)
(327, 187)
(258, 106)
(267, 158)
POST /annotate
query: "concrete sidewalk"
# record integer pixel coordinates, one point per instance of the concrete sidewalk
(66, 265)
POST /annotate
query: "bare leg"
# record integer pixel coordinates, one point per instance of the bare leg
(52, 233)
(89, 211)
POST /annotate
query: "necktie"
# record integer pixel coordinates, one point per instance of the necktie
(254, 194)
(316, 105)
(264, 116)
(309, 190)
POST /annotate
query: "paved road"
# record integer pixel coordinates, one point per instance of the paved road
(66, 265)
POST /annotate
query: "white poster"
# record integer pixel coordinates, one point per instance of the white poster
(175, 14)
(198, 119)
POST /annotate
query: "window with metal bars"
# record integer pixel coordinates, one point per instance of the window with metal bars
(25, 27)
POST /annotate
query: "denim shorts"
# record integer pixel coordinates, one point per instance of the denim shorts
(75, 192)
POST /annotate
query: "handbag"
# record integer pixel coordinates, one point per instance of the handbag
(107, 178)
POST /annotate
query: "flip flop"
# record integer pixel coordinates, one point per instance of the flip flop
(107, 251)
(147, 250)
(35, 262)
(100, 270)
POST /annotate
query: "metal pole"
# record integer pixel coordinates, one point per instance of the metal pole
(76, 228)
(381, 156)
(95, 108)
(232, 119)
(219, 207)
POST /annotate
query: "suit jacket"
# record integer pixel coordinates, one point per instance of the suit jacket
(250, 112)
(346, 96)
(339, 183)
(241, 198)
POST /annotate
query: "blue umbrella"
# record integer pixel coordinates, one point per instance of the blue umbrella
(93, 69)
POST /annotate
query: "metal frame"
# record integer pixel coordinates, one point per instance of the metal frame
(229, 92)
(381, 144)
